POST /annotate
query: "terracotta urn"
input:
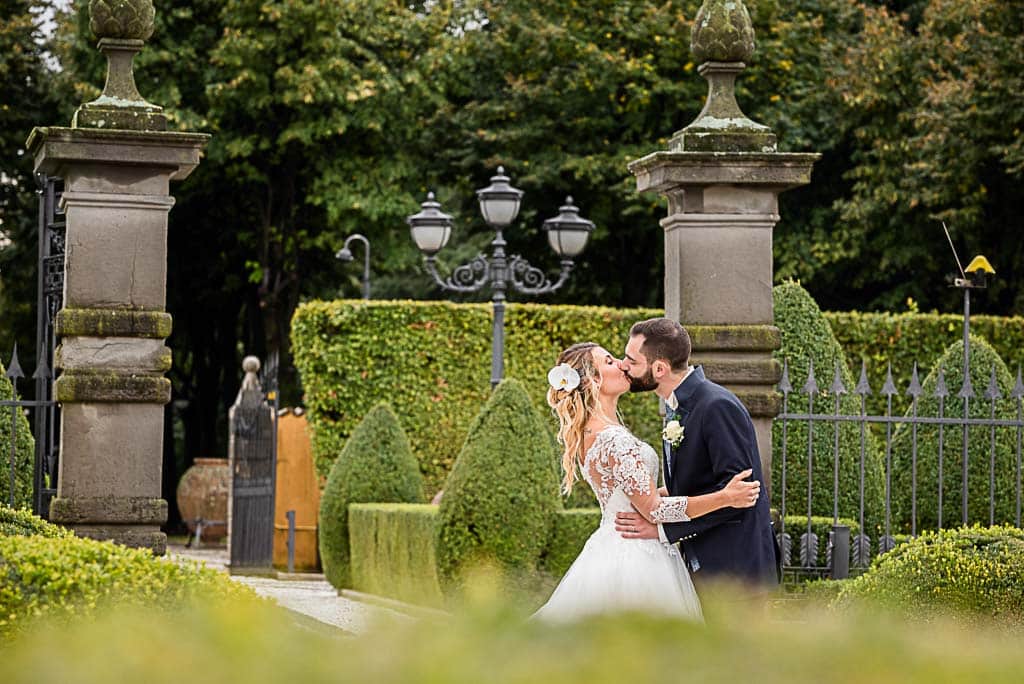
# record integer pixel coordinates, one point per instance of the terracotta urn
(203, 494)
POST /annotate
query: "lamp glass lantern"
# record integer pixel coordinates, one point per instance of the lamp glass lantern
(430, 227)
(567, 232)
(499, 201)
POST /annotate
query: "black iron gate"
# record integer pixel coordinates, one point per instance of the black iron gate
(254, 457)
(42, 410)
(50, 298)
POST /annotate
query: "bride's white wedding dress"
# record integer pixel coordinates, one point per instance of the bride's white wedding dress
(613, 573)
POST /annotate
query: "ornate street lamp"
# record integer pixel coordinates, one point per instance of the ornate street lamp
(499, 203)
(345, 254)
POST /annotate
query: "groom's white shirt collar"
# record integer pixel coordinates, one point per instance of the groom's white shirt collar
(672, 402)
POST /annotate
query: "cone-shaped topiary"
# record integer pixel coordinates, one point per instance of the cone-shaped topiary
(376, 466)
(24, 450)
(979, 451)
(502, 494)
(806, 335)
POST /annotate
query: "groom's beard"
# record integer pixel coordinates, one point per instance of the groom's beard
(645, 383)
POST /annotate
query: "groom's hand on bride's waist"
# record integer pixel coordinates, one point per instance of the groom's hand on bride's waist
(635, 526)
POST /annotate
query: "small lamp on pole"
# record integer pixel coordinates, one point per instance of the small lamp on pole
(345, 254)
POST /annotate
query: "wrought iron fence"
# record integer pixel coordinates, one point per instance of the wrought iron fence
(994, 423)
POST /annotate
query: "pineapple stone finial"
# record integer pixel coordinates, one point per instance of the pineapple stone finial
(722, 40)
(122, 27)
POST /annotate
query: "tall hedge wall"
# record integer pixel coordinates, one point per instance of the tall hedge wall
(431, 361)
(904, 338)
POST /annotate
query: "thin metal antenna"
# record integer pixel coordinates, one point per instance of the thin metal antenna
(962, 274)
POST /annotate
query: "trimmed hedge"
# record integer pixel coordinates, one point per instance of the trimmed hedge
(394, 548)
(21, 523)
(904, 338)
(24, 450)
(806, 337)
(983, 360)
(971, 573)
(430, 360)
(377, 466)
(67, 577)
(502, 492)
(394, 551)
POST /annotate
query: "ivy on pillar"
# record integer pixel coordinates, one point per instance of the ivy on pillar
(117, 160)
(722, 176)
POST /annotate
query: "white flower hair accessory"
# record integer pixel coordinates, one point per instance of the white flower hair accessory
(563, 377)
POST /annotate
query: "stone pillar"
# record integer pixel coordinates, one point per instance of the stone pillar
(722, 176)
(117, 161)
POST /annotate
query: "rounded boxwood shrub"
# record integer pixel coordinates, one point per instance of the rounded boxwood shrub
(376, 466)
(979, 450)
(67, 577)
(21, 523)
(969, 572)
(502, 494)
(24, 450)
(806, 335)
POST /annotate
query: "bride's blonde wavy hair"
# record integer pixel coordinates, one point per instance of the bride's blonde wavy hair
(574, 408)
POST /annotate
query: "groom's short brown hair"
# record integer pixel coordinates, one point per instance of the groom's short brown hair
(664, 339)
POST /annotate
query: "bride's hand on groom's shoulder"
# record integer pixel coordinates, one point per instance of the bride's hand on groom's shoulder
(742, 494)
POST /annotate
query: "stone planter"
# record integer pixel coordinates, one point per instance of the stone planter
(203, 494)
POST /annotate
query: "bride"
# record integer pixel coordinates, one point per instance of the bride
(613, 573)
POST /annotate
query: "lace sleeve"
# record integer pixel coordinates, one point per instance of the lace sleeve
(636, 481)
(670, 509)
(628, 470)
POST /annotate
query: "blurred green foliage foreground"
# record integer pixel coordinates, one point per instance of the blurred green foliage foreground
(83, 611)
(490, 641)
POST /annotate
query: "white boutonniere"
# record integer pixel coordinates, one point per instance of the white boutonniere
(673, 433)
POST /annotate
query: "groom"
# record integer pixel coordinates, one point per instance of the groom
(717, 442)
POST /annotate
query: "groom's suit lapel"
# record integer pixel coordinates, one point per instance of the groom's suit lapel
(686, 403)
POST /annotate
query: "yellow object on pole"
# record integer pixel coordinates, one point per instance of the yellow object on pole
(980, 263)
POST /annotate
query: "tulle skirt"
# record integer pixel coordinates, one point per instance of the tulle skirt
(613, 574)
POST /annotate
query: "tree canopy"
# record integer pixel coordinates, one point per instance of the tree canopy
(330, 118)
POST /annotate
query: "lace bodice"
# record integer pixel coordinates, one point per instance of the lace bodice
(623, 470)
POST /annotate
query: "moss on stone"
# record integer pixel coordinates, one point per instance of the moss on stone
(734, 337)
(112, 387)
(134, 510)
(113, 323)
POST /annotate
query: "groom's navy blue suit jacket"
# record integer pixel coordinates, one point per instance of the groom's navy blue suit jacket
(719, 441)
